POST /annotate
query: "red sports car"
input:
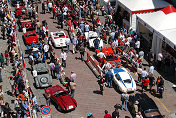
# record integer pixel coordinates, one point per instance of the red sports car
(18, 11)
(61, 98)
(110, 57)
(30, 36)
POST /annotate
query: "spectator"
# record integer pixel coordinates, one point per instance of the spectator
(67, 41)
(0, 74)
(34, 103)
(12, 83)
(150, 55)
(159, 60)
(8, 112)
(137, 45)
(115, 114)
(52, 69)
(2, 60)
(96, 43)
(47, 96)
(141, 54)
(152, 82)
(63, 56)
(90, 115)
(101, 84)
(101, 56)
(74, 42)
(160, 90)
(82, 51)
(107, 115)
(139, 70)
(109, 76)
(144, 73)
(151, 69)
(25, 109)
(73, 76)
(124, 99)
(145, 83)
(17, 107)
(159, 82)
(136, 107)
(72, 87)
(57, 70)
(7, 57)
(46, 49)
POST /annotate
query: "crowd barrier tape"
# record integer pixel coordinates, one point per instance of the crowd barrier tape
(94, 63)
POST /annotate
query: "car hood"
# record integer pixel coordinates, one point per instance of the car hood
(67, 101)
(31, 39)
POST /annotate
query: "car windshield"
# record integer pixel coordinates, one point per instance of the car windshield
(28, 35)
(111, 58)
(40, 73)
(92, 37)
(59, 93)
(58, 34)
(152, 112)
(127, 81)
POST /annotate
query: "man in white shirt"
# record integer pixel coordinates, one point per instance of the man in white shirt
(63, 56)
(159, 60)
(101, 55)
(50, 5)
(137, 45)
(151, 69)
(46, 48)
(67, 42)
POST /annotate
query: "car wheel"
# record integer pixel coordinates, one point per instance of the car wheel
(43, 80)
(114, 63)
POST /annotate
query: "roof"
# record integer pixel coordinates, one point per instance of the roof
(138, 5)
(163, 22)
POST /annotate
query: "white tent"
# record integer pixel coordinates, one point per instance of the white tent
(134, 7)
(162, 24)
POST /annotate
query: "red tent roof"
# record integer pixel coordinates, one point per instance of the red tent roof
(169, 9)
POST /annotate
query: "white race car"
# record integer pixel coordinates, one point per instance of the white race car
(58, 38)
(123, 80)
(90, 37)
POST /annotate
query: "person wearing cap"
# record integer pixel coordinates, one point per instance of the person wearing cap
(115, 114)
(135, 107)
(47, 96)
(90, 115)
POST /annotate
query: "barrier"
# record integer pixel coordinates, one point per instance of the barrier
(94, 63)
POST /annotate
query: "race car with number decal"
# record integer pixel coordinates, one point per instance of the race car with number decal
(30, 37)
(61, 98)
(110, 57)
(123, 80)
(59, 38)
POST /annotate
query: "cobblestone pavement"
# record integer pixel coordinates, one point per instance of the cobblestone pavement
(85, 95)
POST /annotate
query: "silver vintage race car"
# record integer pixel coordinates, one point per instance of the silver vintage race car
(41, 75)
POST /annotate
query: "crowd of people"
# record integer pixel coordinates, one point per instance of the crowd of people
(73, 14)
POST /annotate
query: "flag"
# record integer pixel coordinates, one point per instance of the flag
(24, 65)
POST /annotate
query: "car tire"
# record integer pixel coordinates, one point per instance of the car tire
(43, 80)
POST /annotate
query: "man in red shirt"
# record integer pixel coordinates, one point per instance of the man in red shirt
(145, 83)
(107, 115)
